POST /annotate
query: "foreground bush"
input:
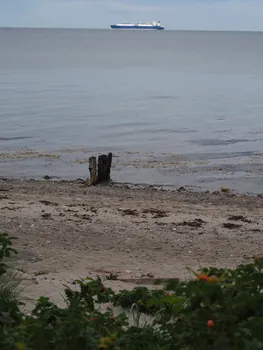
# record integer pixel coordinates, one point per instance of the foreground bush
(217, 309)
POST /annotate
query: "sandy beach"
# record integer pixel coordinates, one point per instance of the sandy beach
(67, 230)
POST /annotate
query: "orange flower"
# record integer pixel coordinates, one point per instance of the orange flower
(213, 279)
(211, 324)
(258, 257)
(169, 294)
(202, 277)
(20, 346)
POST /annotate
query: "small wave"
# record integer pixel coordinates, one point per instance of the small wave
(220, 155)
(150, 131)
(14, 138)
(129, 124)
(222, 131)
(176, 131)
(164, 97)
(183, 131)
(255, 132)
(218, 142)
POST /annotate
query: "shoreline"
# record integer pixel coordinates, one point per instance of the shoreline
(186, 189)
(67, 230)
(240, 172)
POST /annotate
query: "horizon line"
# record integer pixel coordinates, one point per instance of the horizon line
(170, 30)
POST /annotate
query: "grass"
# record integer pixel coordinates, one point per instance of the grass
(11, 288)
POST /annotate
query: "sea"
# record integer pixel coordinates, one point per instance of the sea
(176, 108)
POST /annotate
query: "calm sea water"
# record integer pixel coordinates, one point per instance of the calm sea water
(196, 94)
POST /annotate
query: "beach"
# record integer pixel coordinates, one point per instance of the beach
(181, 112)
(68, 230)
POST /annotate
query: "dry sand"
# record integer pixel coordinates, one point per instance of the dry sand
(67, 230)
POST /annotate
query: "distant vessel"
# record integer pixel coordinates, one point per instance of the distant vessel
(139, 25)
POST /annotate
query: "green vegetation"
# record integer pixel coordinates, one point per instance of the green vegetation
(217, 309)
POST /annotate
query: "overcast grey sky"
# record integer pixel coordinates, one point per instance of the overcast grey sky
(174, 14)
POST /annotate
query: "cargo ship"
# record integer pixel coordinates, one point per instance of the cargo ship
(139, 25)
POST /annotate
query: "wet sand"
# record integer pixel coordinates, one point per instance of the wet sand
(240, 171)
(68, 230)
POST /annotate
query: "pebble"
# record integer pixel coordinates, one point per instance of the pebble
(139, 275)
(225, 189)
(216, 192)
(181, 189)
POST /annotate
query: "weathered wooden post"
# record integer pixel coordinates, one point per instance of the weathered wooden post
(109, 164)
(93, 171)
(104, 168)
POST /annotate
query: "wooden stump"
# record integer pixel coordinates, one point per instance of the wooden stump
(104, 167)
(93, 171)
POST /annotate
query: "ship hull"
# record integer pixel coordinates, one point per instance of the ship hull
(137, 27)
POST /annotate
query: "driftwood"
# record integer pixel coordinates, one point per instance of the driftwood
(102, 173)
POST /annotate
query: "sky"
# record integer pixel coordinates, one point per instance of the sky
(245, 15)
